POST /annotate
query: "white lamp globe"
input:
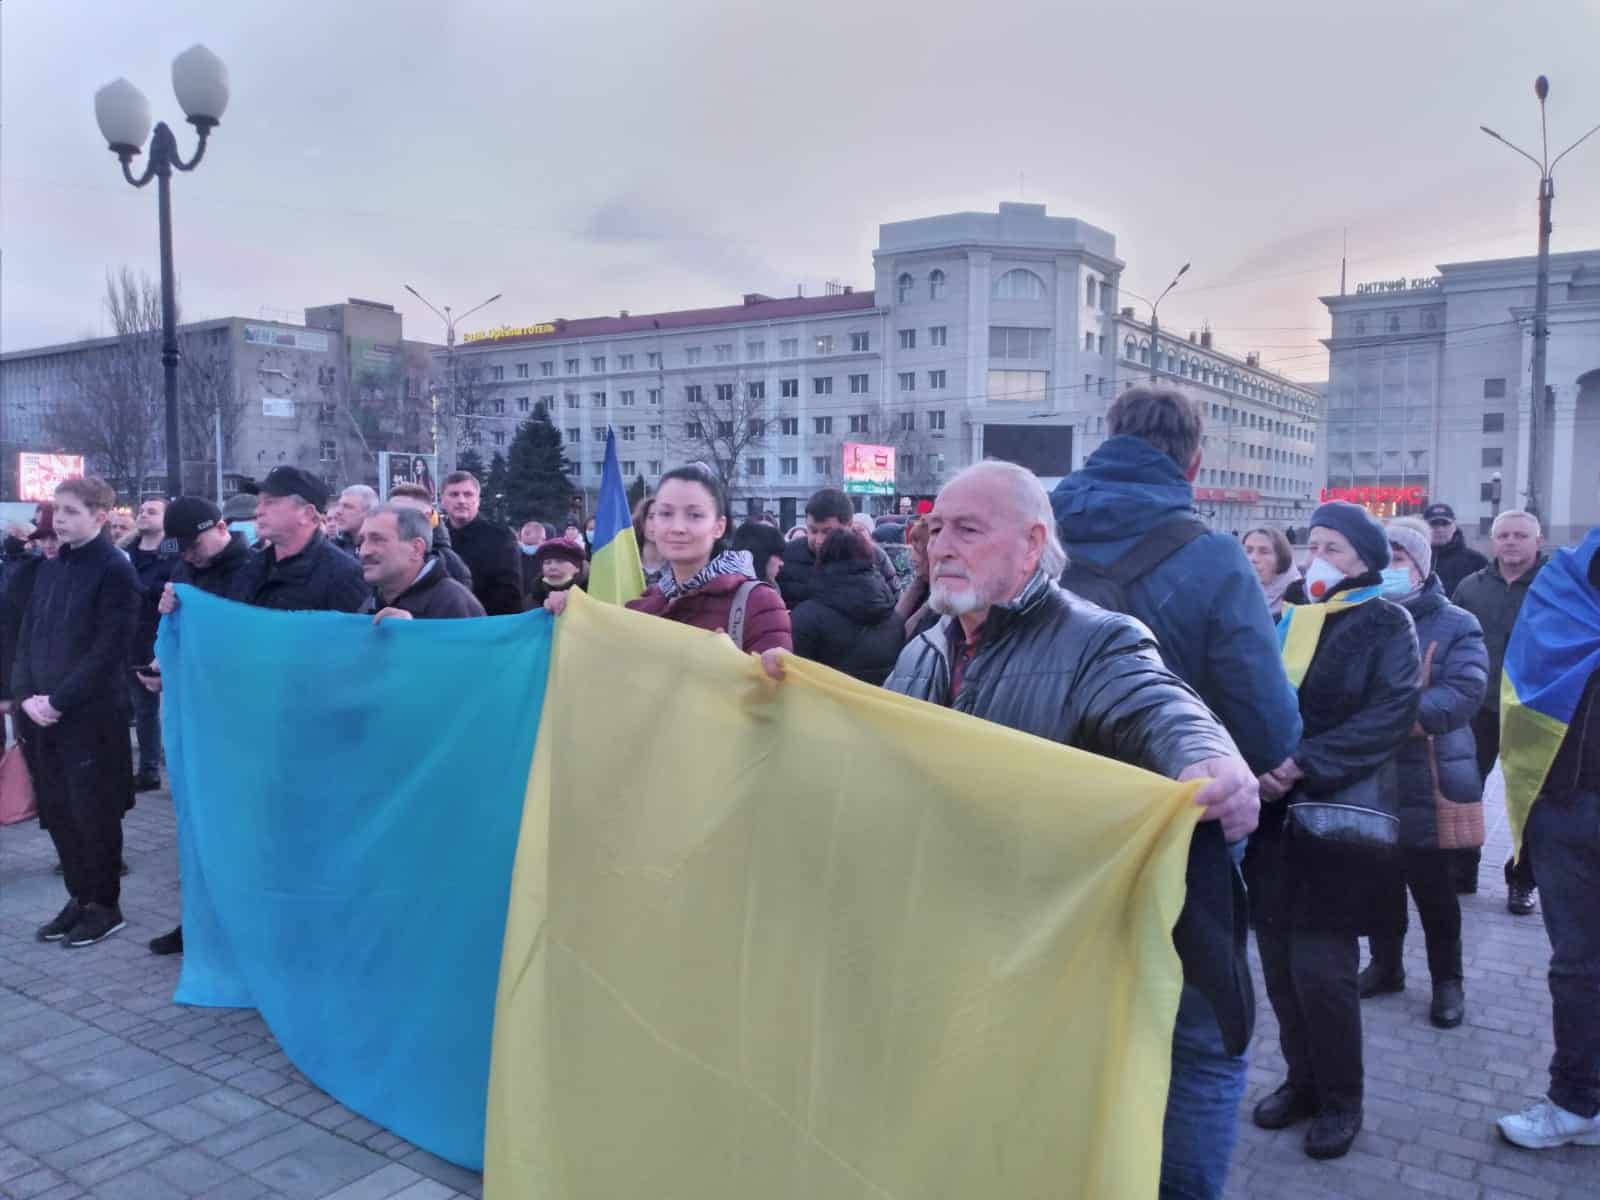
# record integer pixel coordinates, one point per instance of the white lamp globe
(201, 82)
(123, 114)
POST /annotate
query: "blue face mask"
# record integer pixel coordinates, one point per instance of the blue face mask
(1396, 581)
(530, 551)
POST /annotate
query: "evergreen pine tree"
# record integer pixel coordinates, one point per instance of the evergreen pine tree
(537, 483)
(493, 506)
(470, 460)
(637, 491)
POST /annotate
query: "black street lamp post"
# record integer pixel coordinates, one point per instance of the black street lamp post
(201, 83)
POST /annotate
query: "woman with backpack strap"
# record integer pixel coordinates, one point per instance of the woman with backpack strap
(705, 584)
(1441, 807)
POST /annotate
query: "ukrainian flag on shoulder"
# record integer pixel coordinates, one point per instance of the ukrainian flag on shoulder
(1554, 649)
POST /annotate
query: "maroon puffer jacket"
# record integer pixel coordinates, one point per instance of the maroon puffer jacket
(766, 620)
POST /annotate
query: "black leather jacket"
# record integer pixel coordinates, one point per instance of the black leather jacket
(1092, 679)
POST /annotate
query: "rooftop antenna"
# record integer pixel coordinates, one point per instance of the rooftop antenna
(1343, 258)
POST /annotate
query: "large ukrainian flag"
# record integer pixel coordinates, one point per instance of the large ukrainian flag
(615, 573)
(1554, 649)
(808, 941)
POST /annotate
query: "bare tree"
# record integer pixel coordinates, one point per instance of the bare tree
(462, 391)
(723, 425)
(209, 394)
(919, 458)
(114, 412)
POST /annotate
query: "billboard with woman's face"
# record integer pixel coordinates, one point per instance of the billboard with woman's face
(399, 466)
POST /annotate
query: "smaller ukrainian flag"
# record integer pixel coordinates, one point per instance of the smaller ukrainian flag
(1554, 649)
(615, 572)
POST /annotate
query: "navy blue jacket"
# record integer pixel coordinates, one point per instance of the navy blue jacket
(1204, 604)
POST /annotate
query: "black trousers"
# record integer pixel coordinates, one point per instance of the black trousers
(1486, 732)
(83, 778)
(1311, 984)
(1430, 876)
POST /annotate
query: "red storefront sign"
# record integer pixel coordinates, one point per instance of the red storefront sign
(1227, 495)
(1377, 495)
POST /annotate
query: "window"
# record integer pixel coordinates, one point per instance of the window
(908, 339)
(629, 466)
(789, 348)
(694, 394)
(547, 368)
(624, 362)
(598, 432)
(652, 358)
(936, 418)
(936, 380)
(626, 432)
(330, 450)
(655, 433)
(1100, 348)
(497, 373)
(655, 466)
(1019, 285)
(908, 422)
(694, 430)
(574, 433)
(597, 364)
(789, 426)
(572, 399)
(825, 344)
(822, 466)
(1361, 326)
(724, 393)
(935, 284)
(522, 404)
(789, 389)
(499, 437)
(723, 351)
(902, 288)
(1394, 322)
(859, 384)
(1011, 342)
(500, 406)
(653, 395)
(1090, 291)
(1088, 347)
(1494, 389)
(1430, 320)
(860, 343)
(908, 464)
(788, 466)
(600, 469)
(1493, 456)
(1494, 422)
(858, 422)
(756, 390)
(755, 351)
(597, 399)
(908, 381)
(725, 429)
(572, 366)
(1130, 350)
(822, 424)
(522, 370)
(822, 385)
(938, 335)
(757, 427)
(625, 398)
(1486, 490)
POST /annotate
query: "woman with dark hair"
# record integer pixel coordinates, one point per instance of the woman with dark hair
(649, 557)
(421, 476)
(1272, 557)
(849, 621)
(704, 583)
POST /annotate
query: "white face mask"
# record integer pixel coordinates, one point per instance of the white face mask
(1321, 578)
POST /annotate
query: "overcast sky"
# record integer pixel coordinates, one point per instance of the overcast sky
(584, 158)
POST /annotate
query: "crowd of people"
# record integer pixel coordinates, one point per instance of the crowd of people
(1341, 711)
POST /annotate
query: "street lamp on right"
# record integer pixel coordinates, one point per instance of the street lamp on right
(1541, 301)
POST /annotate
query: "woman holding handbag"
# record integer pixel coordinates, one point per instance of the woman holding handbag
(1319, 865)
(1441, 805)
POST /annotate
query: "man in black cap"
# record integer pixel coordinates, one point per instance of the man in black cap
(1453, 559)
(301, 569)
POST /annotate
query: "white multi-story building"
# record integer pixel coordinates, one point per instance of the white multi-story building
(986, 334)
(1430, 394)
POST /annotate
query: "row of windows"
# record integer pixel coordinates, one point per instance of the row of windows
(1392, 322)
(906, 465)
(933, 419)
(1015, 284)
(1210, 374)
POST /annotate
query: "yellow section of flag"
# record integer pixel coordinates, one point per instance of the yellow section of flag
(815, 941)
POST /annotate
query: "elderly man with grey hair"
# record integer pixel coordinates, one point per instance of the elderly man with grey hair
(407, 579)
(356, 503)
(1015, 648)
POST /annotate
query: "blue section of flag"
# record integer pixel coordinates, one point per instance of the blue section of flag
(1555, 644)
(349, 800)
(613, 515)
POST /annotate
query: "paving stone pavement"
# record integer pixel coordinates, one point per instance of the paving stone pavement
(109, 1090)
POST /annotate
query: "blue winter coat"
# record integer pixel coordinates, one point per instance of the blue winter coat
(1204, 604)
(1457, 662)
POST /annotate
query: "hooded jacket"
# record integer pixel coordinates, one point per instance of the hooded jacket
(1065, 670)
(1454, 561)
(1457, 668)
(849, 623)
(224, 575)
(433, 595)
(1204, 603)
(797, 575)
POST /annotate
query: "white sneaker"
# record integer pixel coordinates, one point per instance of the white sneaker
(1546, 1124)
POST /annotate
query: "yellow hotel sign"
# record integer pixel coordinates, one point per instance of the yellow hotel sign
(508, 331)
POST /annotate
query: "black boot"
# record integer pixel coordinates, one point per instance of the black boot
(1284, 1107)
(1385, 973)
(168, 943)
(1449, 1006)
(1332, 1133)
